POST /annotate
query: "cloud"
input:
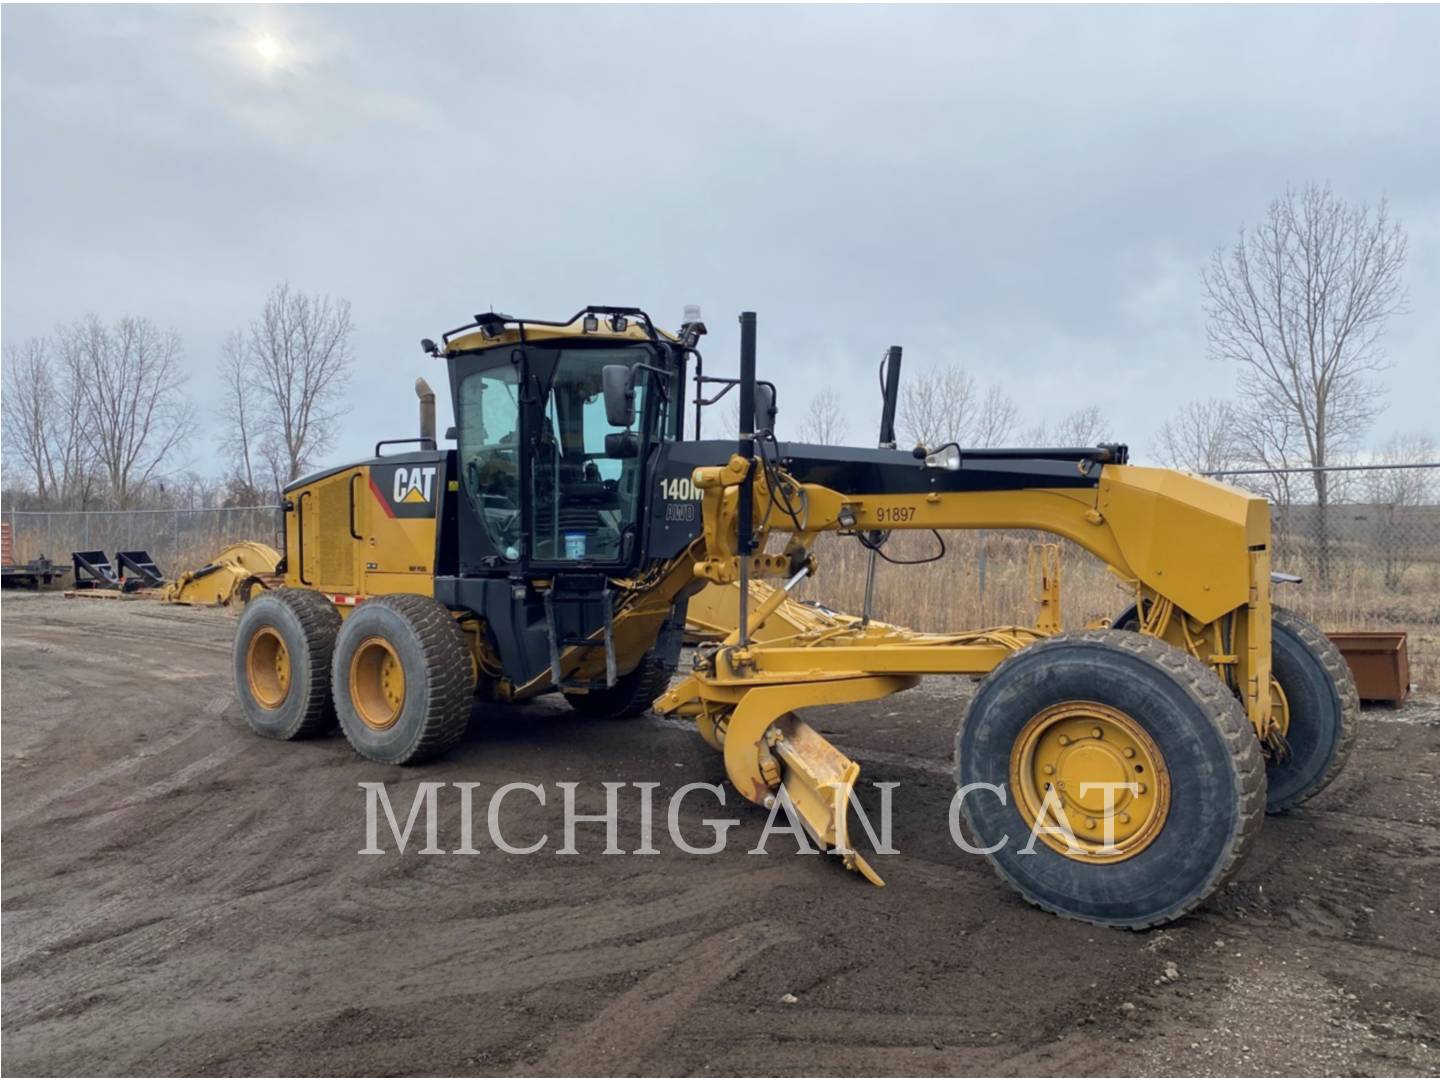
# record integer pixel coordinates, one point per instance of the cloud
(1030, 192)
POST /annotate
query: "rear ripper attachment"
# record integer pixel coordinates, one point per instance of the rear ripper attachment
(557, 546)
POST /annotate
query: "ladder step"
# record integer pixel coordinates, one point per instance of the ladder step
(574, 598)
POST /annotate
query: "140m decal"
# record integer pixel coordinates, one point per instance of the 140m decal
(679, 487)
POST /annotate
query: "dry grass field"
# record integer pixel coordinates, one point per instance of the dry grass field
(984, 580)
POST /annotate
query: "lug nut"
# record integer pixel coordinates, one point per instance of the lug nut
(1064, 740)
(1140, 789)
(1049, 770)
(1095, 733)
(1124, 819)
(1129, 751)
(1089, 822)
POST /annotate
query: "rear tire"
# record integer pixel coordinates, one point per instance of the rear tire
(1324, 711)
(1165, 707)
(402, 679)
(283, 646)
(631, 695)
(1323, 706)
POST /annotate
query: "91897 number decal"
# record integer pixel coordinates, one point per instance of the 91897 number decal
(894, 515)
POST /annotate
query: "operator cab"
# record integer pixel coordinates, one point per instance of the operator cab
(552, 467)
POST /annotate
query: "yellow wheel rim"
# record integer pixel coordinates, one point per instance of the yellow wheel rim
(1061, 766)
(377, 683)
(1279, 708)
(267, 668)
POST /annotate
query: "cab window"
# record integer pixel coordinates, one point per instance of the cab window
(489, 419)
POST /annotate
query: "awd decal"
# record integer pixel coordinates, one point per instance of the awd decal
(404, 491)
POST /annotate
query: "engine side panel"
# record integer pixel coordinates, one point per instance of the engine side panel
(366, 529)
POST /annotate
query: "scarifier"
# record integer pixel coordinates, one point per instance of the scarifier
(557, 547)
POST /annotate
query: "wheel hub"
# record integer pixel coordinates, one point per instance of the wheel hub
(1279, 708)
(1095, 771)
(377, 684)
(267, 668)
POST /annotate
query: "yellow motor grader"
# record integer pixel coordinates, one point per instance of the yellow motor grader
(556, 547)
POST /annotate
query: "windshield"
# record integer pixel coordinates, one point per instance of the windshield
(587, 490)
(584, 495)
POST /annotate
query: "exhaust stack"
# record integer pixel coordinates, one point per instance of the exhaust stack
(427, 411)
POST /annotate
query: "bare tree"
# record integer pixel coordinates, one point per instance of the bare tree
(995, 419)
(300, 350)
(30, 403)
(1200, 437)
(78, 477)
(126, 384)
(946, 405)
(1083, 427)
(1300, 303)
(825, 423)
(237, 409)
(935, 406)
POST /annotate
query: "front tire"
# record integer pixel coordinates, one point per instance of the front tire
(631, 695)
(283, 647)
(1180, 827)
(402, 679)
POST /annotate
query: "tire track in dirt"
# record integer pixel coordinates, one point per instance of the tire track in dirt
(181, 897)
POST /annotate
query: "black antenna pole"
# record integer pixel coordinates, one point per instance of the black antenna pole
(745, 526)
(747, 426)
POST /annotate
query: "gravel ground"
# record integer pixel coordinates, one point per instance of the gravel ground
(183, 897)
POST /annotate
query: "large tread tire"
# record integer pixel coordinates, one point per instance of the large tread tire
(1324, 707)
(307, 624)
(1324, 711)
(435, 658)
(632, 694)
(1217, 776)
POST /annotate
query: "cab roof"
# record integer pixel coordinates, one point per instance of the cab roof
(597, 323)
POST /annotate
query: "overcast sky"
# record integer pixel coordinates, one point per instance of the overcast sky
(1028, 192)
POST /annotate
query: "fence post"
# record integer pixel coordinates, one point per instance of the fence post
(980, 565)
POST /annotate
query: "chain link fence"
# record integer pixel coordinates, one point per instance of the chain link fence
(1380, 524)
(1369, 555)
(177, 540)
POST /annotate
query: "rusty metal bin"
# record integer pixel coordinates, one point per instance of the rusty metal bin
(1379, 661)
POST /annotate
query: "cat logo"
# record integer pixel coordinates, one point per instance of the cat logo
(413, 485)
(404, 491)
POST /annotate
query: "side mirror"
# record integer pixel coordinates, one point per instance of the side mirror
(450, 432)
(619, 395)
(622, 444)
(765, 412)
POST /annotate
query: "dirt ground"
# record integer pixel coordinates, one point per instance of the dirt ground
(183, 897)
